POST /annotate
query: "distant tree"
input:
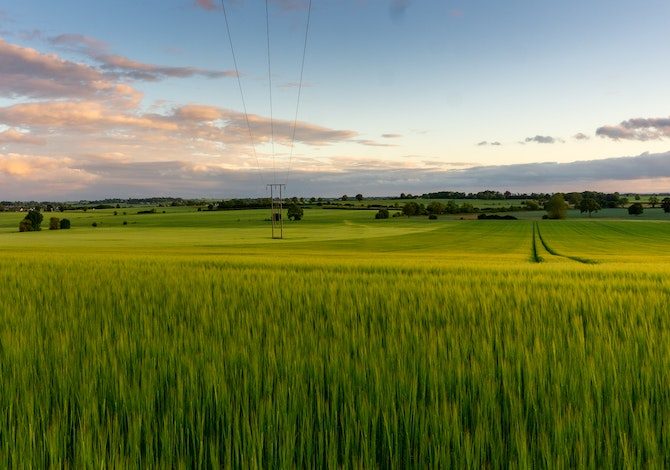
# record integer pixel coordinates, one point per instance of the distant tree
(588, 205)
(532, 205)
(413, 208)
(359, 197)
(382, 214)
(556, 207)
(635, 208)
(653, 200)
(94, 224)
(451, 207)
(294, 212)
(25, 226)
(637, 197)
(432, 217)
(622, 202)
(35, 218)
(64, 224)
(54, 223)
(574, 198)
(665, 204)
(435, 207)
(345, 198)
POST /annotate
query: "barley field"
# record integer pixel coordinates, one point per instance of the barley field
(191, 339)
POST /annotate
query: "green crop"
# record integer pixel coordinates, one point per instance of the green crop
(193, 340)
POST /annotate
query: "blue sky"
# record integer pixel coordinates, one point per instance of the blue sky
(134, 98)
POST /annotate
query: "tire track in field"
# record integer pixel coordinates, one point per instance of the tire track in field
(553, 252)
(534, 255)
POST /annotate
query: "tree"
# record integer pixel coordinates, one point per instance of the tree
(294, 212)
(436, 208)
(653, 200)
(345, 198)
(556, 207)
(35, 218)
(412, 208)
(588, 205)
(382, 214)
(359, 197)
(635, 208)
(574, 198)
(65, 224)
(54, 223)
(532, 205)
(665, 204)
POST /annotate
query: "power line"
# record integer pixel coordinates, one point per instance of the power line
(297, 104)
(239, 84)
(272, 125)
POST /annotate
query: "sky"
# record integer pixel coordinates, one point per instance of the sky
(131, 98)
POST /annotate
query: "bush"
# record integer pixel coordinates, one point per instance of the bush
(125, 222)
(294, 212)
(94, 224)
(501, 217)
(635, 208)
(35, 218)
(65, 224)
(54, 223)
(25, 226)
(432, 217)
(382, 214)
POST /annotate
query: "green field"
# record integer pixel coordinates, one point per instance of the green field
(191, 339)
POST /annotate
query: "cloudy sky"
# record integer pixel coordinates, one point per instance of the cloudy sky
(130, 98)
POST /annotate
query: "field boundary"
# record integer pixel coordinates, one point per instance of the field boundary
(553, 252)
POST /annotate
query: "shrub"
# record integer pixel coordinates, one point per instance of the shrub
(94, 224)
(25, 226)
(382, 214)
(65, 224)
(125, 222)
(54, 223)
(635, 208)
(35, 218)
(294, 212)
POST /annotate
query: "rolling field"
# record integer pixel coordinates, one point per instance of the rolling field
(191, 339)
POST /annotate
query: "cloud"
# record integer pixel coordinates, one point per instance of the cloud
(484, 143)
(31, 74)
(206, 4)
(117, 175)
(542, 139)
(581, 136)
(13, 136)
(119, 66)
(391, 136)
(637, 129)
(78, 115)
(48, 176)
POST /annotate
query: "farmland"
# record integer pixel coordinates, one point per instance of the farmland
(192, 339)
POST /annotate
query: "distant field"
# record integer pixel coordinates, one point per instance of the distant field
(192, 339)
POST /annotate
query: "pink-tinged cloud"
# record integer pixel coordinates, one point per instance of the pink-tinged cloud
(118, 66)
(198, 121)
(49, 175)
(637, 129)
(80, 115)
(26, 72)
(13, 136)
(206, 4)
